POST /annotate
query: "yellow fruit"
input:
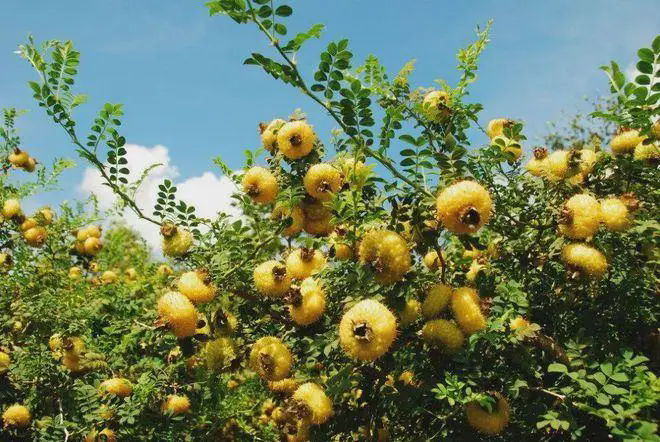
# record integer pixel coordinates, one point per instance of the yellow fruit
(485, 422)
(116, 386)
(647, 152)
(322, 181)
(194, 286)
(93, 267)
(437, 299)
(625, 142)
(288, 386)
(319, 227)
(409, 313)
(18, 158)
(432, 260)
(16, 416)
(580, 217)
(179, 312)
(130, 274)
(10, 208)
(92, 246)
(518, 322)
(615, 214)
(5, 261)
(219, 353)
(45, 214)
(354, 172)
(296, 214)
(295, 139)
(106, 435)
(436, 106)
(271, 358)
(74, 273)
(475, 268)
(36, 236)
(314, 399)
(269, 135)
(5, 361)
(467, 312)
(564, 163)
(496, 127)
(387, 253)
(176, 404)
(30, 165)
(178, 243)
(94, 231)
(304, 262)
(585, 259)
(464, 207)
(443, 334)
(28, 224)
(271, 279)
(260, 184)
(538, 165)
(343, 252)
(108, 277)
(367, 330)
(588, 159)
(164, 270)
(311, 303)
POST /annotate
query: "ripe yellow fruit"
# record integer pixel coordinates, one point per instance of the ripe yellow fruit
(296, 214)
(475, 268)
(28, 224)
(322, 181)
(164, 270)
(496, 127)
(92, 246)
(647, 152)
(45, 214)
(518, 322)
(194, 286)
(367, 330)
(260, 184)
(176, 404)
(269, 135)
(271, 279)
(295, 139)
(315, 401)
(387, 253)
(18, 158)
(409, 313)
(315, 210)
(5, 361)
(626, 141)
(106, 435)
(432, 260)
(615, 214)
(108, 277)
(5, 261)
(343, 252)
(120, 387)
(564, 163)
(585, 259)
(464, 207)
(485, 422)
(130, 274)
(10, 208)
(16, 416)
(580, 217)
(436, 106)
(588, 159)
(304, 262)
(74, 273)
(36, 236)
(271, 358)
(94, 231)
(538, 165)
(287, 386)
(467, 312)
(319, 227)
(443, 334)
(354, 172)
(179, 312)
(219, 353)
(311, 304)
(437, 299)
(178, 243)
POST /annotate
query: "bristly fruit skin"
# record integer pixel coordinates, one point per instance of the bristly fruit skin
(467, 312)
(117, 386)
(409, 313)
(296, 139)
(626, 142)
(443, 334)
(485, 422)
(432, 260)
(177, 244)
(437, 299)
(437, 106)
(93, 436)
(296, 214)
(269, 135)
(587, 259)
(179, 312)
(36, 236)
(496, 127)
(219, 353)
(311, 306)
(10, 208)
(560, 166)
(615, 215)
(388, 254)
(518, 322)
(176, 404)
(464, 207)
(316, 401)
(317, 218)
(378, 324)
(16, 416)
(271, 279)
(322, 181)
(260, 184)
(303, 263)
(647, 152)
(288, 386)
(271, 358)
(584, 216)
(5, 361)
(191, 285)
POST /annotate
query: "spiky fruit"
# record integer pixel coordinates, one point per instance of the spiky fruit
(45, 215)
(219, 353)
(296, 214)
(106, 435)
(287, 386)
(272, 279)
(486, 422)
(314, 399)
(164, 270)
(409, 313)
(367, 330)
(496, 127)
(625, 142)
(36, 236)
(437, 299)
(94, 231)
(564, 164)
(108, 277)
(317, 217)
(518, 322)
(28, 224)
(538, 165)
(615, 214)
(30, 165)
(92, 246)
(130, 274)
(319, 227)
(194, 286)
(271, 358)
(466, 309)
(584, 259)
(11, 208)
(260, 184)
(18, 158)
(177, 243)
(74, 273)
(355, 173)
(269, 135)
(179, 312)
(295, 139)
(5, 361)
(464, 207)
(443, 334)
(476, 267)
(176, 404)
(580, 217)
(322, 181)
(588, 160)
(647, 152)
(120, 387)
(436, 106)
(309, 306)
(304, 262)
(16, 416)
(387, 253)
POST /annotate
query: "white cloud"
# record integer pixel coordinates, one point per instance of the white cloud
(208, 193)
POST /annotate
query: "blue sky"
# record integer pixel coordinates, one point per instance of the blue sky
(180, 76)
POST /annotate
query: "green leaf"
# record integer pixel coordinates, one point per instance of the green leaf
(613, 389)
(645, 54)
(606, 368)
(642, 79)
(619, 377)
(644, 67)
(557, 368)
(283, 11)
(656, 45)
(280, 29)
(602, 399)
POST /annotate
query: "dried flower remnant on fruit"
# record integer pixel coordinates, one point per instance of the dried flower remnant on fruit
(464, 207)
